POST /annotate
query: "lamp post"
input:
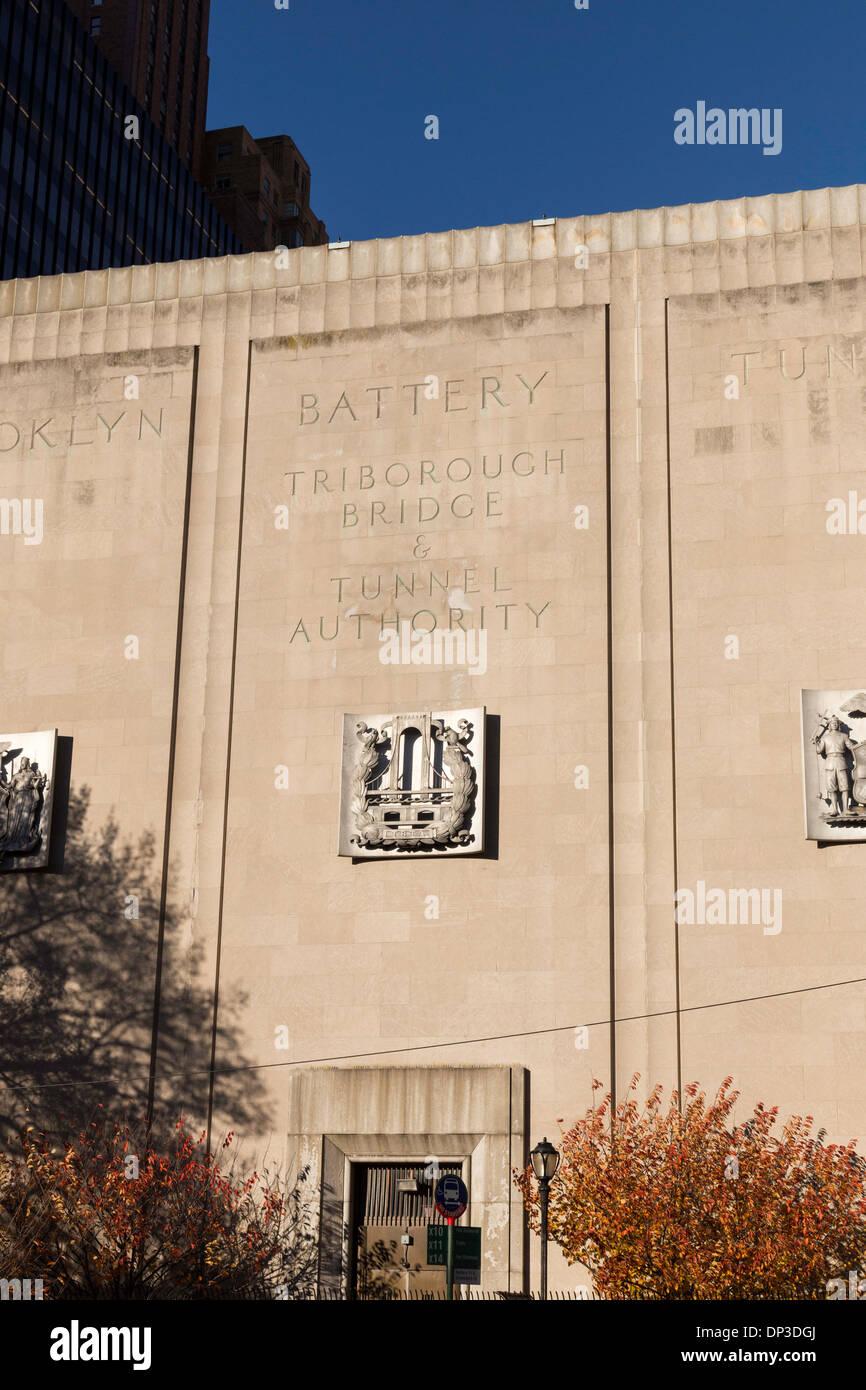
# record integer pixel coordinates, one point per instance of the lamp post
(545, 1161)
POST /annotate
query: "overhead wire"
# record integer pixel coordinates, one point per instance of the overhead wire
(459, 1042)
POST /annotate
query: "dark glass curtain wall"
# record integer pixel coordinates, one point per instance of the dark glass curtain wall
(75, 193)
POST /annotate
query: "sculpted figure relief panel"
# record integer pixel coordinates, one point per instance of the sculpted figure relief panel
(26, 786)
(834, 764)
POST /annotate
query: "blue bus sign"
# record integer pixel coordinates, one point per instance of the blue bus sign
(451, 1196)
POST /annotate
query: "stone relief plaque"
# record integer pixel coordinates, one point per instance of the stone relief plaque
(834, 764)
(26, 791)
(412, 783)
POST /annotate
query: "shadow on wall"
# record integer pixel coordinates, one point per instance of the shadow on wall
(77, 979)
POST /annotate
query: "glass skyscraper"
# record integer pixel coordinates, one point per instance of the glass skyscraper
(86, 178)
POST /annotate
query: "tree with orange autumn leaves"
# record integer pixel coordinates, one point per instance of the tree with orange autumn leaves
(108, 1215)
(676, 1202)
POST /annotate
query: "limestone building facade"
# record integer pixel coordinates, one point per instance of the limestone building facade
(610, 447)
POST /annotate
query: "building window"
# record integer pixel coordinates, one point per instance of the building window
(95, 26)
(290, 210)
(224, 152)
(267, 186)
(223, 183)
(296, 173)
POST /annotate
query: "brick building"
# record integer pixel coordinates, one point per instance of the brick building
(159, 48)
(261, 188)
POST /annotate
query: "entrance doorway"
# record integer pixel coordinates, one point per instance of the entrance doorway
(392, 1205)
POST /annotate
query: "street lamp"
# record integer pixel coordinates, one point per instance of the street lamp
(545, 1161)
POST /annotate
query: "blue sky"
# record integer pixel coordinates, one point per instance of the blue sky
(544, 110)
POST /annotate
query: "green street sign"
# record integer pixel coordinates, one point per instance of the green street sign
(467, 1248)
